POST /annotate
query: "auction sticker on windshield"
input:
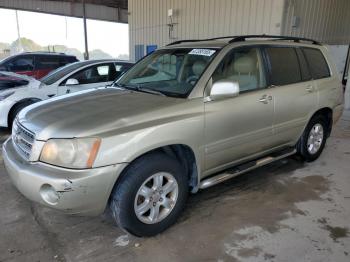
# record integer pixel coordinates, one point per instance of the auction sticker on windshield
(205, 52)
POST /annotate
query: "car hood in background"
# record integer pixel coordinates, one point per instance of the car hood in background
(98, 112)
(9, 80)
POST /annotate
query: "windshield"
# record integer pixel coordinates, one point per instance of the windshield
(57, 74)
(173, 72)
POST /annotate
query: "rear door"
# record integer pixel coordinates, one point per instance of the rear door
(294, 92)
(239, 127)
(44, 64)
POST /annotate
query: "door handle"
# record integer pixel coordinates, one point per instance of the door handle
(310, 88)
(265, 99)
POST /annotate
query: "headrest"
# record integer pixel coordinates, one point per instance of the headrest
(244, 65)
(198, 67)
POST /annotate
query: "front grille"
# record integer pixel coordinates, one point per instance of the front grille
(23, 140)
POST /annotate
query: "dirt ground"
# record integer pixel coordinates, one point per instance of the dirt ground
(286, 211)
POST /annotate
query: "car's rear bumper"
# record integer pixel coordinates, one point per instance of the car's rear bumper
(83, 192)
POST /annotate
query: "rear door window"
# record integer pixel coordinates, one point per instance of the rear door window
(48, 62)
(317, 63)
(284, 65)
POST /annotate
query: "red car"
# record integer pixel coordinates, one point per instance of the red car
(35, 64)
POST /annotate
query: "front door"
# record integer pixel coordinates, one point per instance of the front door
(237, 128)
(91, 77)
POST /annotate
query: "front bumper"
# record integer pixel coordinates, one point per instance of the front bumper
(84, 192)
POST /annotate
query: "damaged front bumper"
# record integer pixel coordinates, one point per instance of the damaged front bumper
(84, 192)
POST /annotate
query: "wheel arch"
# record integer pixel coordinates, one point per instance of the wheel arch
(327, 112)
(184, 154)
(31, 100)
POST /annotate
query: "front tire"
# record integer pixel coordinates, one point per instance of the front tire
(150, 195)
(313, 140)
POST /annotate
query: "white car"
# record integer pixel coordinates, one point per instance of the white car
(18, 91)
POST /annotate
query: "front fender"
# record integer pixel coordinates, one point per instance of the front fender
(126, 147)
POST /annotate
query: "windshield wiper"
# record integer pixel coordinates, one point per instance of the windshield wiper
(140, 89)
(150, 91)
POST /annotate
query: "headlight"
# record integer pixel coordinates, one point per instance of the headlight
(71, 153)
(3, 96)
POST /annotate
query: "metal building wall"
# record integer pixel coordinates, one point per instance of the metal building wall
(325, 20)
(194, 19)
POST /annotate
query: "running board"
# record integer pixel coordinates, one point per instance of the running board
(246, 167)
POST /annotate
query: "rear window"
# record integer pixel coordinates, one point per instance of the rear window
(317, 63)
(284, 65)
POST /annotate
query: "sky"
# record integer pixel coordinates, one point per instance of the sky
(46, 29)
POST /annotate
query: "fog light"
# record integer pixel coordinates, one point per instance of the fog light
(49, 194)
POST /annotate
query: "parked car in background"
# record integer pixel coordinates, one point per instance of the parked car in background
(35, 64)
(186, 117)
(71, 78)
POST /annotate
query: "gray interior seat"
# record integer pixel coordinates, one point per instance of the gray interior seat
(244, 71)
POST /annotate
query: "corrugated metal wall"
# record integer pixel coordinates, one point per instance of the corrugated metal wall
(325, 20)
(194, 19)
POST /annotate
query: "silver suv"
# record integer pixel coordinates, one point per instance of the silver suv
(190, 115)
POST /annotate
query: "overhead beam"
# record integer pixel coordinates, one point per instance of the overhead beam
(73, 9)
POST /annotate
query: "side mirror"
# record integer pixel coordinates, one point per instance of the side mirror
(224, 89)
(72, 82)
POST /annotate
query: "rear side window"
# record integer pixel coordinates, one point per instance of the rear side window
(284, 65)
(47, 62)
(317, 63)
(67, 60)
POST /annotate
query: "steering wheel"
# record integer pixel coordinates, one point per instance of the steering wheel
(191, 79)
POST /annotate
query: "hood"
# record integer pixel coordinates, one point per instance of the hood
(94, 112)
(9, 80)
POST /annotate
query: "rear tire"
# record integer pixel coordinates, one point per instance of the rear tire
(142, 193)
(313, 140)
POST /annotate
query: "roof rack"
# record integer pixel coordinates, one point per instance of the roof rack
(199, 40)
(244, 37)
(275, 37)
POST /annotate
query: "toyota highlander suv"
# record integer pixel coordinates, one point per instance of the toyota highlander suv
(186, 117)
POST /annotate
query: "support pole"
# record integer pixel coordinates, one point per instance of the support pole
(19, 42)
(86, 54)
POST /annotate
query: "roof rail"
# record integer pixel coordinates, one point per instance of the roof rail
(199, 40)
(244, 37)
(276, 37)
